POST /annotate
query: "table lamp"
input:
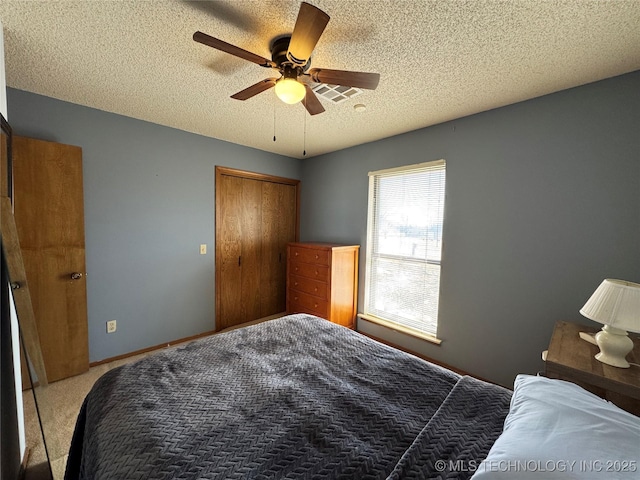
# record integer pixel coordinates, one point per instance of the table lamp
(616, 304)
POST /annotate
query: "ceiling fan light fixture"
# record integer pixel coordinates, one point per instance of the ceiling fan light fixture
(291, 56)
(290, 90)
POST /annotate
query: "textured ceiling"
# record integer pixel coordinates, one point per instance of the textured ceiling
(438, 60)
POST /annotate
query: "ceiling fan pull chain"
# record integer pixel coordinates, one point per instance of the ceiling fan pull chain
(274, 118)
(304, 141)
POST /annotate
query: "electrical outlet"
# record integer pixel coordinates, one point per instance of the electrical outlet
(203, 249)
(111, 326)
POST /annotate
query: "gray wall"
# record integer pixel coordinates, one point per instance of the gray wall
(542, 204)
(149, 204)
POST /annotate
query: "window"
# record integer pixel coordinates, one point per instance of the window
(404, 245)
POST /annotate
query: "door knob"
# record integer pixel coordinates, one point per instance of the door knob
(76, 276)
(15, 286)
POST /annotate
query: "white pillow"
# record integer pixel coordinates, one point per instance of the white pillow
(558, 430)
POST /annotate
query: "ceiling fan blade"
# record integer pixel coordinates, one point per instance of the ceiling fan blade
(255, 89)
(232, 49)
(311, 102)
(309, 26)
(343, 77)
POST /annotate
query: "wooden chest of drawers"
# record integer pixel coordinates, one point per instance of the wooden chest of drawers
(322, 279)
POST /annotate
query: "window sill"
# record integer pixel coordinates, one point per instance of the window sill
(400, 328)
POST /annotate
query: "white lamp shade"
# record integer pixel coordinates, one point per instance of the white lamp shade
(615, 303)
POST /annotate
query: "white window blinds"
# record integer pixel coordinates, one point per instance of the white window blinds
(404, 231)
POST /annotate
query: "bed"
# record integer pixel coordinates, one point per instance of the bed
(296, 397)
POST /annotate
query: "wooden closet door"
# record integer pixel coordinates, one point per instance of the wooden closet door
(239, 238)
(256, 216)
(49, 215)
(278, 228)
(251, 239)
(228, 251)
(286, 232)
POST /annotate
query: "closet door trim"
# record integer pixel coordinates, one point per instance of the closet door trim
(220, 171)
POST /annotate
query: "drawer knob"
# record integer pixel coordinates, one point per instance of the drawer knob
(295, 298)
(315, 305)
(295, 284)
(317, 256)
(296, 254)
(315, 289)
(296, 269)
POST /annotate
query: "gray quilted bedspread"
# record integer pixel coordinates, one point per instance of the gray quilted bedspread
(296, 397)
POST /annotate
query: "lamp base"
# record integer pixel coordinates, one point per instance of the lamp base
(615, 345)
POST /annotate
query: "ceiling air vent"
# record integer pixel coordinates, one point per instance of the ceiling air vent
(336, 93)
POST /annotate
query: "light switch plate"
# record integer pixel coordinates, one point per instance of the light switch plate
(203, 249)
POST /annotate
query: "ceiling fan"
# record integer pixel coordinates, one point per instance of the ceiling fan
(291, 56)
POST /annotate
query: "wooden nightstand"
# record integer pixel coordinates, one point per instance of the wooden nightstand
(571, 358)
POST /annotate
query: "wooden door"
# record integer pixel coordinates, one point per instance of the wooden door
(228, 251)
(49, 215)
(250, 294)
(238, 240)
(256, 216)
(278, 228)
